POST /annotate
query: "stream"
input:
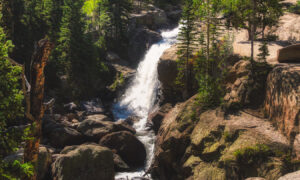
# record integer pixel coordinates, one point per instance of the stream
(140, 97)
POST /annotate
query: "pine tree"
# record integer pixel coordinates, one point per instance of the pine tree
(186, 46)
(264, 51)
(119, 12)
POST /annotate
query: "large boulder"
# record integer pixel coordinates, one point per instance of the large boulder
(167, 73)
(282, 103)
(96, 126)
(84, 162)
(60, 135)
(192, 144)
(131, 150)
(289, 54)
(141, 40)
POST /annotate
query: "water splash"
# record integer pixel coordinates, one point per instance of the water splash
(140, 97)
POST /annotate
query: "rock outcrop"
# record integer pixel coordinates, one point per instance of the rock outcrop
(84, 162)
(206, 145)
(289, 54)
(282, 103)
(167, 73)
(131, 150)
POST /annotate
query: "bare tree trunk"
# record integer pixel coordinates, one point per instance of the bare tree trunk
(253, 29)
(35, 101)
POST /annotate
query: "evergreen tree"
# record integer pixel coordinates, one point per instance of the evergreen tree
(119, 15)
(264, 51)
(11, 110)
(186, 45)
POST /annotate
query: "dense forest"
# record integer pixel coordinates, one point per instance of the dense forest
(69, 70)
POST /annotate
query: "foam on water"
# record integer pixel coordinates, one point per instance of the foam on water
(140, 96)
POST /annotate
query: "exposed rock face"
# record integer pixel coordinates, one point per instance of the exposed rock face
(140, 40)
(131, 150)
(84, 162)
(289, 54)
(244, 89)
(96, 126)
(291, 176)
(167, 73)
(155, 118)
(196, 145)
(282, 102)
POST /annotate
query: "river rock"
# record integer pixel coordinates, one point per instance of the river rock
(131, 150)
(96, 126)
(84, 162)
(60, 135)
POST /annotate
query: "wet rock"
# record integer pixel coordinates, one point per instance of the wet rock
(131, 150)
(84, 162)
(155, 118)
(131, 120)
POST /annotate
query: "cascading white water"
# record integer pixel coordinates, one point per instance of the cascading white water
(140, 97)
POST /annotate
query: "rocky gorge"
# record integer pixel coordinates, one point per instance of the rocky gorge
(254, 134)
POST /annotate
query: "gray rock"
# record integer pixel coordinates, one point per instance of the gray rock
(291, 176)
(84, 162)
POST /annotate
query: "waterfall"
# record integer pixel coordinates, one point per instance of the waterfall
(140, 96)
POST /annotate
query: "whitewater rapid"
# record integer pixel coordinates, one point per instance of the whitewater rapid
(139, 98)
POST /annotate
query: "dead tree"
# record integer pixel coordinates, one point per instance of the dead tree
(34, 97)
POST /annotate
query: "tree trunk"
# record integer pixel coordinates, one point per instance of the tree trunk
(35, 107)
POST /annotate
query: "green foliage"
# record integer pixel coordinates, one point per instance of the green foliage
(255, 154)
(15, 170)
(264, 51)
(186, 46)
(295, 8)
(119, 81)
